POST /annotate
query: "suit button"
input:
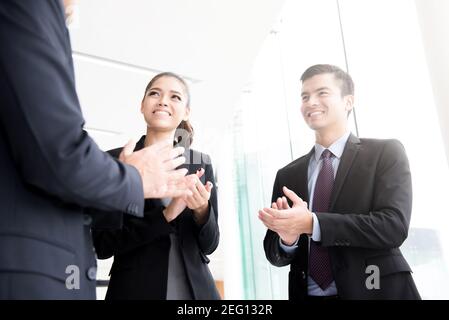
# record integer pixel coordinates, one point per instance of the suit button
(92, 273)
(87, 220)
(303, 274)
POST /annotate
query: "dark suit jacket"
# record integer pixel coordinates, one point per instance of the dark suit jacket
(368, 220)
(141, 247)
(49, 167)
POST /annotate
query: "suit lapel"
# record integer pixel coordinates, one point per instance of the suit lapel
(299, 183)
(347, 159)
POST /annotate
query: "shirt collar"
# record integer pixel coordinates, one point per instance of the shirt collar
(336, 148)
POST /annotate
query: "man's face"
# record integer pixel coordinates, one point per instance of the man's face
(322, 106)
(69, 7)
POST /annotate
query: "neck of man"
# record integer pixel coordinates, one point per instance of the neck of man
(154, 136)
(327, 136)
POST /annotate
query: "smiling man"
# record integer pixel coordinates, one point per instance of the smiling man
(343, 244)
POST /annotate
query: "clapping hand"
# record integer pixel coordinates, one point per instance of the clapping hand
(197, 200)
(157, 165)
(288, 222)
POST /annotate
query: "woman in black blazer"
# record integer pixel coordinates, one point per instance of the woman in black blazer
(164, 255)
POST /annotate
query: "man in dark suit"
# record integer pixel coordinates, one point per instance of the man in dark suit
(51, 169)
(345, 243)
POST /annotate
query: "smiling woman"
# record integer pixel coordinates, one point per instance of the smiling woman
(166, 107)
(164, 255)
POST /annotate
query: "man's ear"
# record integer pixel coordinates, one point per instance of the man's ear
(349, 102)
(186, 116)
(141, 107)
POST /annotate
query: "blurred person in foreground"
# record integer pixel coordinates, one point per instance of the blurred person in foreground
(51, 170)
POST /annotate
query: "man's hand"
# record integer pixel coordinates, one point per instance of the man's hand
(156, 165)
(288, 223)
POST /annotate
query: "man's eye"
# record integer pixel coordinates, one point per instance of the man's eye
(305, 98)
(323, 93)
(176, 97)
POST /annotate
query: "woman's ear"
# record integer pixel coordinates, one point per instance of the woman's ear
(187, 114)
(141, 107)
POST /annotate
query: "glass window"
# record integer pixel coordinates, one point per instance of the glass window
(379, 41)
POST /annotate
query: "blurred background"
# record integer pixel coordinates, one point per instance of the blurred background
(243, 61)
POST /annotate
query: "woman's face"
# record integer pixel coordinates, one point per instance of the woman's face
(165, 104)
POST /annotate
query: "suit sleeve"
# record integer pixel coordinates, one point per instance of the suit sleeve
(134, 233)
(122, 234)
(273, 251)
(386, 226)
(41, 116)
(209, 233)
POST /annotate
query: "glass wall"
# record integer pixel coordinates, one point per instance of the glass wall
(379, 43)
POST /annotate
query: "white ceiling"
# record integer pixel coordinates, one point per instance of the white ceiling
(118, 45)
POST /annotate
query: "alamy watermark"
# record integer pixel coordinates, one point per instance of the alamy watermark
(72, 282)
(372, 282)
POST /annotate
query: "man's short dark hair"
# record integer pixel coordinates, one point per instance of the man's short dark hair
(345, 80)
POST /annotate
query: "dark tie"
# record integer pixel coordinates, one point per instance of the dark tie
(319, 261)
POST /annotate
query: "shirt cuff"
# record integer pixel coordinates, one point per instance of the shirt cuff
(288, 249)
(316, 230)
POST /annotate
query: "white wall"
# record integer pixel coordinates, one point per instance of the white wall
(434, 21)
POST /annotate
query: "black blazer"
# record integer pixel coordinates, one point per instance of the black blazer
(368, 220)
(50, 169)
(141, 247)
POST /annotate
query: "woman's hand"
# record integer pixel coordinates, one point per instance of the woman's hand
(174, 209)
(199, 200)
